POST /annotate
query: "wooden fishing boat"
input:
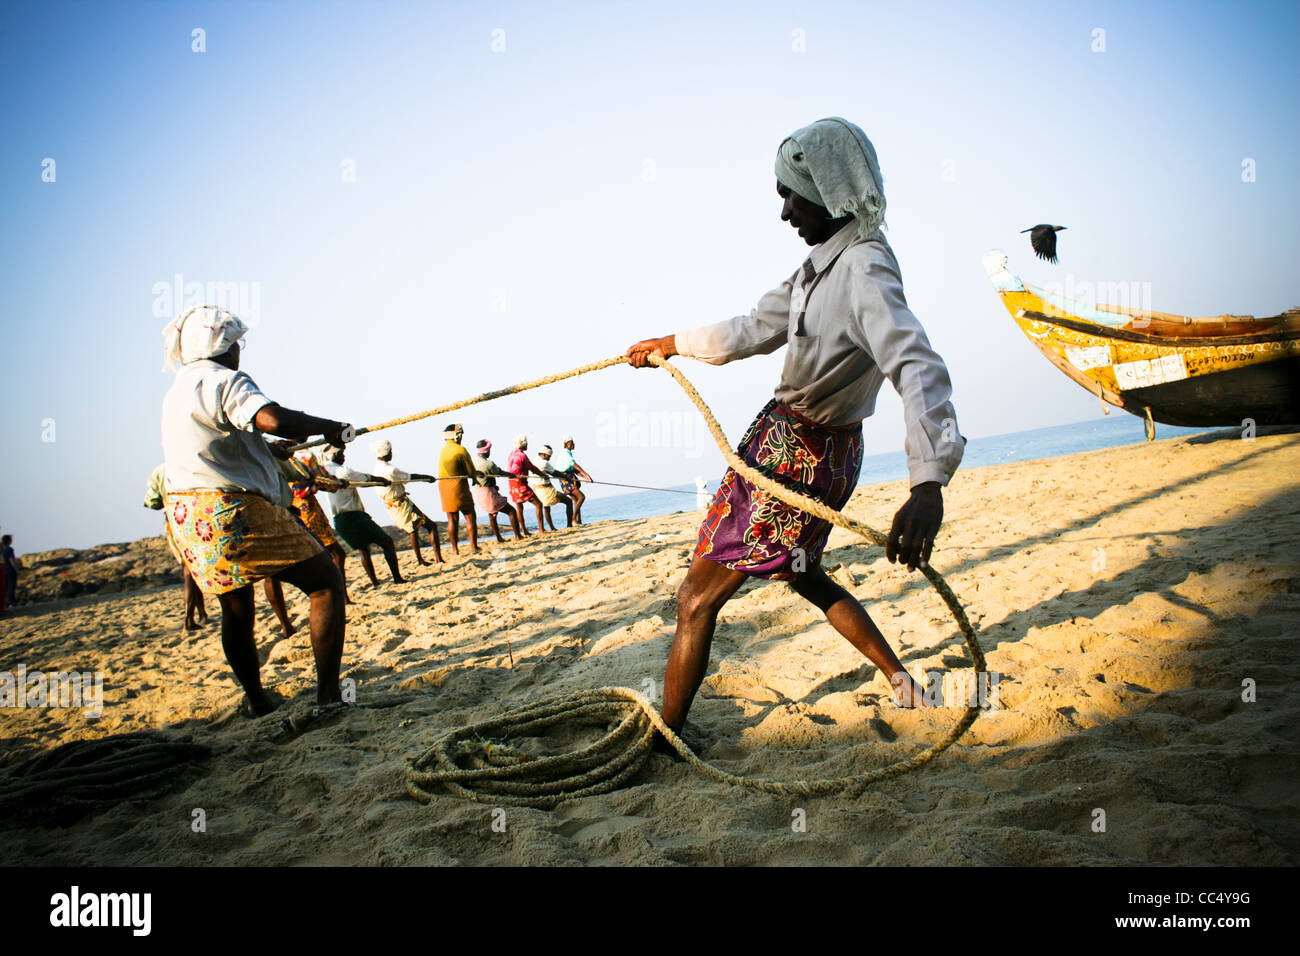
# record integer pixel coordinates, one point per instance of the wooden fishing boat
(1223, 370)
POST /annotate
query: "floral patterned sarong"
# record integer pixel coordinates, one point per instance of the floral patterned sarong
(228, 539)
(749, 530)
(311, 514)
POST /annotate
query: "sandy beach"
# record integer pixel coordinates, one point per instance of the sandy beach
(1122, 596)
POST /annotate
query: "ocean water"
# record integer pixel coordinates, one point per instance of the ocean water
(1115, 429)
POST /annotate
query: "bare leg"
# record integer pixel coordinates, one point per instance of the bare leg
(194, 609)
(433, 539)
(708, 586)
(415, 546)
(568, 510)
(471, 528)
(369, 565)
(578, 498)
(453, 530)
(336, 552)
(241, 651)
(275, 597)
(514, 522)
(496, 529)
(523, 521)
(390, 555)
(850, 618)
(321, 581)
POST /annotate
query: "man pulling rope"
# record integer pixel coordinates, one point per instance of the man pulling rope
(847, 324)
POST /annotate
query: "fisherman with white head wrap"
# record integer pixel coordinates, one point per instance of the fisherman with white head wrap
(352, 522)
(545, 491)
(520, 467)
(202, 332)
(486, 496)
(403, 510)
(846, 326)
(832, 164)
(455, 469)
(568, 472)
(223, 496)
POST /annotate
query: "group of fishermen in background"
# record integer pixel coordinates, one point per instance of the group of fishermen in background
(467, 485)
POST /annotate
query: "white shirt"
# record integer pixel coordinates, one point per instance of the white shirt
(345, 499)
(208, 437)
(848, 328)
(562, 460)
(397, 490)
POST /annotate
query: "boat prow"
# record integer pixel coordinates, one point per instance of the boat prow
(1180, 370)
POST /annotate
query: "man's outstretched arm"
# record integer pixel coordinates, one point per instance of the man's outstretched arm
(275, 419)
(761, 331)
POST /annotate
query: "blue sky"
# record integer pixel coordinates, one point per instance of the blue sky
(605, 177)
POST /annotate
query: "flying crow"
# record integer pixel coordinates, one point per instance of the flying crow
(1043, 238)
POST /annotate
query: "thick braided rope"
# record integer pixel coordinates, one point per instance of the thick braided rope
(88, 774)
(502, 775)
(485, 397)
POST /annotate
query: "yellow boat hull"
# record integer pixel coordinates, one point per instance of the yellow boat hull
(1225, 370)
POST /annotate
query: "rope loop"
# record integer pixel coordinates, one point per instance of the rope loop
(499, 773)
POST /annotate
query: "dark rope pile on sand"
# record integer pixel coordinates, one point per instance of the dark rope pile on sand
(86, 775)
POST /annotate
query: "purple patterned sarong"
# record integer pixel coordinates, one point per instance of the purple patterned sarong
(749, 530)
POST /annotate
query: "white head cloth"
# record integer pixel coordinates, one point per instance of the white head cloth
(382, 449)
(545, 450)
(521, 441)
(833, 164)
(199, 333)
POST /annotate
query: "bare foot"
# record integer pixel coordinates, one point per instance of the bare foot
(660, 745)
(258, 705)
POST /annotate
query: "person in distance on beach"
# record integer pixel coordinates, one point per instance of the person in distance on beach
(455, 469)
(399, 504)
(519, 466)
(486, 495)
(222, 485)
(847, 327)
(351, 520)
(546, 492)
(11, 568)
(306, 477)
(570, 474)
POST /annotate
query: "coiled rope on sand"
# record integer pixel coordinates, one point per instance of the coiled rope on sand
(501, 774)
(87, 775)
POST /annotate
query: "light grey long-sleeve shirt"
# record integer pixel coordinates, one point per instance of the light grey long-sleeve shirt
(847, 326)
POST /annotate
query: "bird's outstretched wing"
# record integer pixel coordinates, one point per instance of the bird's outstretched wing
(1043, 239)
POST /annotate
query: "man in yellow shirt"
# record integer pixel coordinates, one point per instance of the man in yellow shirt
(455, 469)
